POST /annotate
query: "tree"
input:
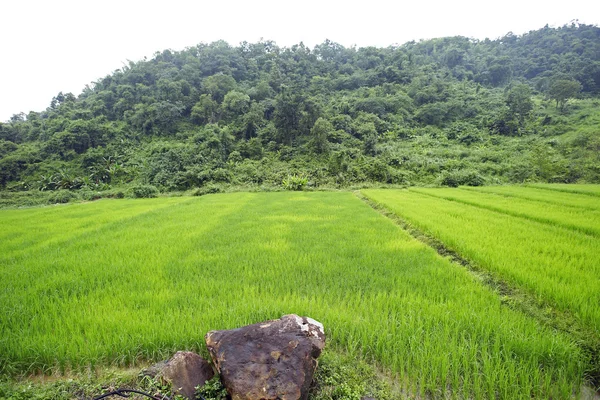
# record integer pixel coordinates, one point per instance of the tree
(319, 133)
(562, 90)
(218, 86)
(205, 110)
(368, 134)
(287, 116)
(519, 102)
(253, 120)
(236, 103)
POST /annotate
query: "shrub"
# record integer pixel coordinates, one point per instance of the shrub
(458, 178)
(208, 189)
(90, 195)
(295, 182)
(144, 191)
(61, 196)
(450, 179)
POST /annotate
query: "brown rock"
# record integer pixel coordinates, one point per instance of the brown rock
(269, 360)
(184, 371)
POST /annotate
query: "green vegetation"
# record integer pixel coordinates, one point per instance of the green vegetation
(83, 386)
(340, 376)
(593, 190)
(447, 111)
(564, 215)
(121, 282)
(540, 195)
(558, 266)
(116, 282)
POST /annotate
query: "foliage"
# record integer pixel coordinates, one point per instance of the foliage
(208, 189)
(462, 178)
(562, 90)
(24, 198)
(144, 191)
(212, 390)
(342, 376)
(185, 119)
(61, 196)
(294, 182)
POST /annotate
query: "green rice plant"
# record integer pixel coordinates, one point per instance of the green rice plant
(590, 189)
(156, 275)
(578, 219)
(34, 228)
(558, 266)
(547, 196)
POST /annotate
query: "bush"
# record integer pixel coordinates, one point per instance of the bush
(90, 195)
(208, 189)
(61, 196)
(144, 191)
(462, 178)
(20, 199)
(294, 182)
(450, 180)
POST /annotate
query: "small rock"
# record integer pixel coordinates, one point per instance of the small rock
(184, 371)
(269, 360)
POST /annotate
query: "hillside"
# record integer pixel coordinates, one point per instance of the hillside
(449, 111)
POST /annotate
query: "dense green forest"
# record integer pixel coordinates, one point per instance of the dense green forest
(448, 111)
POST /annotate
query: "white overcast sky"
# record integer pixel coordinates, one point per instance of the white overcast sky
(48, 46)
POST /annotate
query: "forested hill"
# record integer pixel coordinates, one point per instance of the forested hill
(445, 111)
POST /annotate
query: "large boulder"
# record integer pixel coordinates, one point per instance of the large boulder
(269, 360)
(184, 371)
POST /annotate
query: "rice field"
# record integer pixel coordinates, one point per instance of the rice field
(540, 247)
(563, 215)
(561, 198)
(117, 282)
(592, 190)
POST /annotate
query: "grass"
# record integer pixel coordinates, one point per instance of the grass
(558, 266)
(138, 282)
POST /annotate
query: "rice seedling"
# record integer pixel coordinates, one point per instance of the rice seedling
(578, 219)
(558, 266)
(60, 222)
(589, 189)
(547, 196)
(140, 284)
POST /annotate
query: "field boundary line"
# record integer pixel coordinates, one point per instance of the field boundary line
(548, 222)
(510, 296)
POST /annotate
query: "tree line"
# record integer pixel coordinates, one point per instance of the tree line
(443, 111)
